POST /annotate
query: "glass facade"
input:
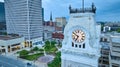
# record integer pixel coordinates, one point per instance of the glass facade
(24, 17)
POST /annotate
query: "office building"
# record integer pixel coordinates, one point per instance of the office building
(60, 21)
(115, 51)
(2, 12)
(49, 28)
(24, 17)
(2, 19)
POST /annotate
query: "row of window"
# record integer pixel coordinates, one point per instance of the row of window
(38, 43)
(78, 46)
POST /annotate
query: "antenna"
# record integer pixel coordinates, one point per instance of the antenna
(83, 5)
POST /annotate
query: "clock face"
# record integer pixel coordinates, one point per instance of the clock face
(78, 36)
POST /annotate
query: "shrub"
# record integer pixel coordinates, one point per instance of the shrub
(118, 30)
(23, 53)
(57, 61)
(35, 49)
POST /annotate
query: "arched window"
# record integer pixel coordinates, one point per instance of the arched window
(76, 45)
(84, 45)
(79, 46)
(72, 44)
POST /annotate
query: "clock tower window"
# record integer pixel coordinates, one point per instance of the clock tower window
(84, 45)
(76, 45)
(79, 46)
(72, 44)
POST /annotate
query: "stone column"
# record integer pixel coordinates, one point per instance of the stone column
(6, 49)
(21, 45)
(10, 48)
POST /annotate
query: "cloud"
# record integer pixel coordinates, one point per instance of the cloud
(1, 0)
(45, 3)
(105, 8)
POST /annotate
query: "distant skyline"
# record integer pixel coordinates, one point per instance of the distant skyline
(107, 10)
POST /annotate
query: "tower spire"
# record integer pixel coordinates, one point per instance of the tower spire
(51, 16)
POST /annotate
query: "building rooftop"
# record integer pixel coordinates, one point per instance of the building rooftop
(7, 37)
(115, 39)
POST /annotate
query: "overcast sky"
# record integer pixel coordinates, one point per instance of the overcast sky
(1, 0)
(107, 10)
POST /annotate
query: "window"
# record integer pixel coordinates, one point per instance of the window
(105, 39)
(84, 45)
(72, 44)
(79, 46)
(115, 65)
(76, 45)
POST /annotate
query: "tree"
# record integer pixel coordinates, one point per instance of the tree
(102, 26)
(35, 49)
(57, 61)
(4, 33)
(118, 30)
(47, 42)
(53, 42)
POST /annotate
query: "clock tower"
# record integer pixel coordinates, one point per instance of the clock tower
(80, 46)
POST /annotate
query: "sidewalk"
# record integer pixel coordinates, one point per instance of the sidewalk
(40, 64)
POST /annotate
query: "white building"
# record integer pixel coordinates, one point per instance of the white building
(106, 29)
(49, 28)
(115, 51)
(24, 17)
(10, 43)
(81, 46)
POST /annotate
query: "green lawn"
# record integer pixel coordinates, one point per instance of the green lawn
(32, 57)
(49, 47)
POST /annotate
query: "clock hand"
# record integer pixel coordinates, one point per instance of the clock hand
(75, 34)
(77, 37)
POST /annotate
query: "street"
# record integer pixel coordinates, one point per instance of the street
(8, 62)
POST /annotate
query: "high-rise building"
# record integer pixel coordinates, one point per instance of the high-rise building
(24, 17)
(2, 18)
(43, 14)
(2, 12)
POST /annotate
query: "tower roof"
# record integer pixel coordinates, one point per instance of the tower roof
(92, 9)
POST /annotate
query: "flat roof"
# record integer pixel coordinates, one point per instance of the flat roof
(115, 38)
(7, 37)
